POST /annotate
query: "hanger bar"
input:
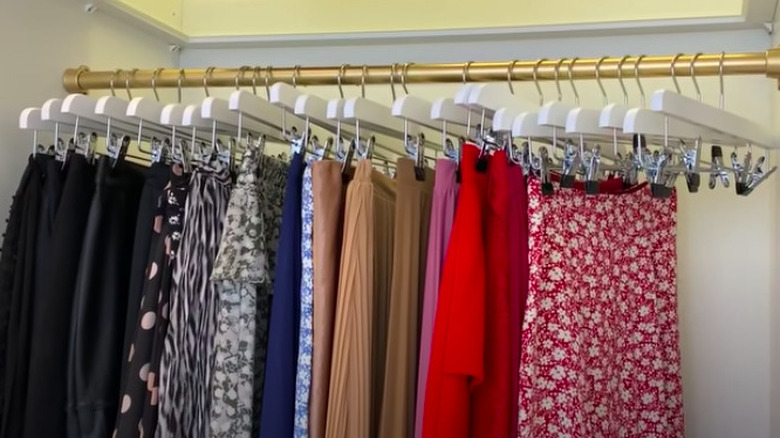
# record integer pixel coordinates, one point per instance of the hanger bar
(82, 79)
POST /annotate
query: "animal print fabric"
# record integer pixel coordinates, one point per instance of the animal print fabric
(188, 359)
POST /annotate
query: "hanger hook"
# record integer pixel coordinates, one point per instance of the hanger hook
(465, 75)
(405, 75)
(393, 69)
(342, 70)
(571, 81)
(254, 80)
(240, 75)
(206, 76)
(509, 75)
(620, 78)
(363, 74)
(111, 81)
(598, 79)
(693, 75)
(129, 76)
(269, 73)
(536, 80)
(296, 75)
(557, 81)
(674, 72)
(155, 75)
(722, 97)
(638, 81)
(179, 81)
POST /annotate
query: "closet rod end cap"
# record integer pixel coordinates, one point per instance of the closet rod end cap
(70, 79)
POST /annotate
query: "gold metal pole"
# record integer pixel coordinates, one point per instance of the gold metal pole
(767, 63)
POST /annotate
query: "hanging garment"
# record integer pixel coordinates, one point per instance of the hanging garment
(8, 261)
(445, 197)
(19, 323)
(277, 418)
(600, 353)
(305, 336)
(457, 350)
(100, 302)
(47, 379)
(329, 191)
(360, 331)
(243, 275)
(186, 365)
(491, 399)
(137, 415)
(412, 219)
(157, 176)
(518, 278)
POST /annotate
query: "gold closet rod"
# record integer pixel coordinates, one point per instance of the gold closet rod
(79, 80)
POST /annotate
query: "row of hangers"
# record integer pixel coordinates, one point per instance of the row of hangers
(663, 141)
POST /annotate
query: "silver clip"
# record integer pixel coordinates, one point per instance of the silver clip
(571, 164)
(718, 170)
(592, 165)
(542, 165)
(748, 176)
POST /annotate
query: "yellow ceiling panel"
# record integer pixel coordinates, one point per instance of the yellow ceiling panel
(276, 17)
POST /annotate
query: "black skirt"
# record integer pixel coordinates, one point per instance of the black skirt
(100, 302)
(47, 383)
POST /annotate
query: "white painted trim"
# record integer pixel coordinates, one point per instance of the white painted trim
(141, 21)
(480, 34)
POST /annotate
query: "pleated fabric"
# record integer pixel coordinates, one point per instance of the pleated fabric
(8, 261)
(412, 220)
(518, 277)
(100, 302)
(600, 344)
(305, 336)
(157, 176)
(491, 400)
(188, 358)
(19, 323)
(445, 198)
(360, 332)
(47, 381)
(329, 193)
(457, 350)
(277, 418)
(138, 399)
(243, 275)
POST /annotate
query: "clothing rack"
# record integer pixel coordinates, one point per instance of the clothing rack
(82, 79)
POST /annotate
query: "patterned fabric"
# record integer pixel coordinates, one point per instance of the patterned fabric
(305, 346)
(243, 280)
(186, 368)
(138, 401)
(600, 353)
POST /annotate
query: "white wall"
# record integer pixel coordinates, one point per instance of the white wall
(725, 243)
(38, 40)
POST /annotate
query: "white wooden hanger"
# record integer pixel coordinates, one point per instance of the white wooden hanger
(146, 110)
(51, 111)
(311, 109)
(656, 124)
(526, 124)
(219, 113)
(555, 113)
(510, 106)
(720, 122)
(447, 111)
(374, 117)
(252, 107)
